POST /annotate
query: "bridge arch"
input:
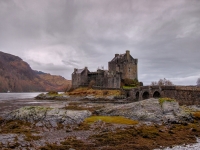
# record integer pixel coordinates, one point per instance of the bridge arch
(137, 95)
(156, 94)
(145, 95)
(127, 94)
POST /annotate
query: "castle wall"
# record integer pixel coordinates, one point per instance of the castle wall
(112, 81)
(76, 80)
(79, 79)
(129, 70)
(84, 77)
(105, 80)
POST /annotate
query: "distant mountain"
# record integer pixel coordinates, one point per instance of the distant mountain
(17, 76)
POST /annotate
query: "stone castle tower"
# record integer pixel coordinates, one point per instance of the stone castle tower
(125, 64)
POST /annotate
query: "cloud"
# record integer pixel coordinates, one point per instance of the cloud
(57, 36)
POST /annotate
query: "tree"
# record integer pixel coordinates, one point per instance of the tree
(153, 83)
(198, 82)
(130, 82)
(162, 82)
(91, 84)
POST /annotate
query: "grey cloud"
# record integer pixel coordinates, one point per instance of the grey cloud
(163, 35)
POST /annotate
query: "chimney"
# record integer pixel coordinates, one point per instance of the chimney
(127, 54)
(75, 69)
(116, 55)
(86, 68)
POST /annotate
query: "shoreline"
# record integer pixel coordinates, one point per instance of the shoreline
(98, 129)
(10, 105)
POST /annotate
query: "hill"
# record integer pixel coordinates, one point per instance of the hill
(17, 76)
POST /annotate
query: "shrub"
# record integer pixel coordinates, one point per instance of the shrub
(52, 93)
(91, 84)
(198, 82)
(130, 82)
(162, 100)
(162, 82)
(105, 92)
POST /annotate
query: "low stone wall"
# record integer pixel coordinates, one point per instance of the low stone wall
(185, 95)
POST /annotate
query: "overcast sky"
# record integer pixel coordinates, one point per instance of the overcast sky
(56, 36)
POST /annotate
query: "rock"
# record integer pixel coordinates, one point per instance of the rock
(40, 96)
(47, 96)
(90, 97)
(109, 97)
(170, 107)
(148, 110)
(12, 141)
(49, 117)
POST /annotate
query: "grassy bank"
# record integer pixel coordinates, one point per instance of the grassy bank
(86, 91)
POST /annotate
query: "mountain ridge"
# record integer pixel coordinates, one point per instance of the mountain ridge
(16, 75)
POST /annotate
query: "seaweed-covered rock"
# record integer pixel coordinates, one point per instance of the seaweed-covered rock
(46, 116)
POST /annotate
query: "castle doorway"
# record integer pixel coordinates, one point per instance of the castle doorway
(145, 95)
(156, 94)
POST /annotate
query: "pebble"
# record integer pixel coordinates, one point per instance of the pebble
(195, 146)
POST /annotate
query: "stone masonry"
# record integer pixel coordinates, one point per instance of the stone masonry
(122, 66)
(185, 95)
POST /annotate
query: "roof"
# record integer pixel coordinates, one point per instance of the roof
(120, 56)
(79, 70)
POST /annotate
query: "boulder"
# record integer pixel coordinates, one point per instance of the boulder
(148, 110)
(49, 117)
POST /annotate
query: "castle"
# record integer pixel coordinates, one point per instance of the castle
(122, 66)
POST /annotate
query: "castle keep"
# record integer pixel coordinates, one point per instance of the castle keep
(122, 66)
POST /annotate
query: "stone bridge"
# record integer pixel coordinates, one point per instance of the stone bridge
(185, 95)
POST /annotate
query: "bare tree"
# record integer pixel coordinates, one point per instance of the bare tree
(154, 83)
(198, 82)
(162, 82)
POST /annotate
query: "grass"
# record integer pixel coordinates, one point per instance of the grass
(196, 115)
(76, 106)
(71, 142)
(86, 91)
(146, 137)
(128, 87)
(141, 137)
(111, 119)
(165, 99)
(19, 127)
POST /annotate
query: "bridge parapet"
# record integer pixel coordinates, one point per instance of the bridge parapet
(188, 95)
(168, 87)
(188, 88)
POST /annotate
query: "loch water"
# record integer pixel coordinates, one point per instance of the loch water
(13, 96)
